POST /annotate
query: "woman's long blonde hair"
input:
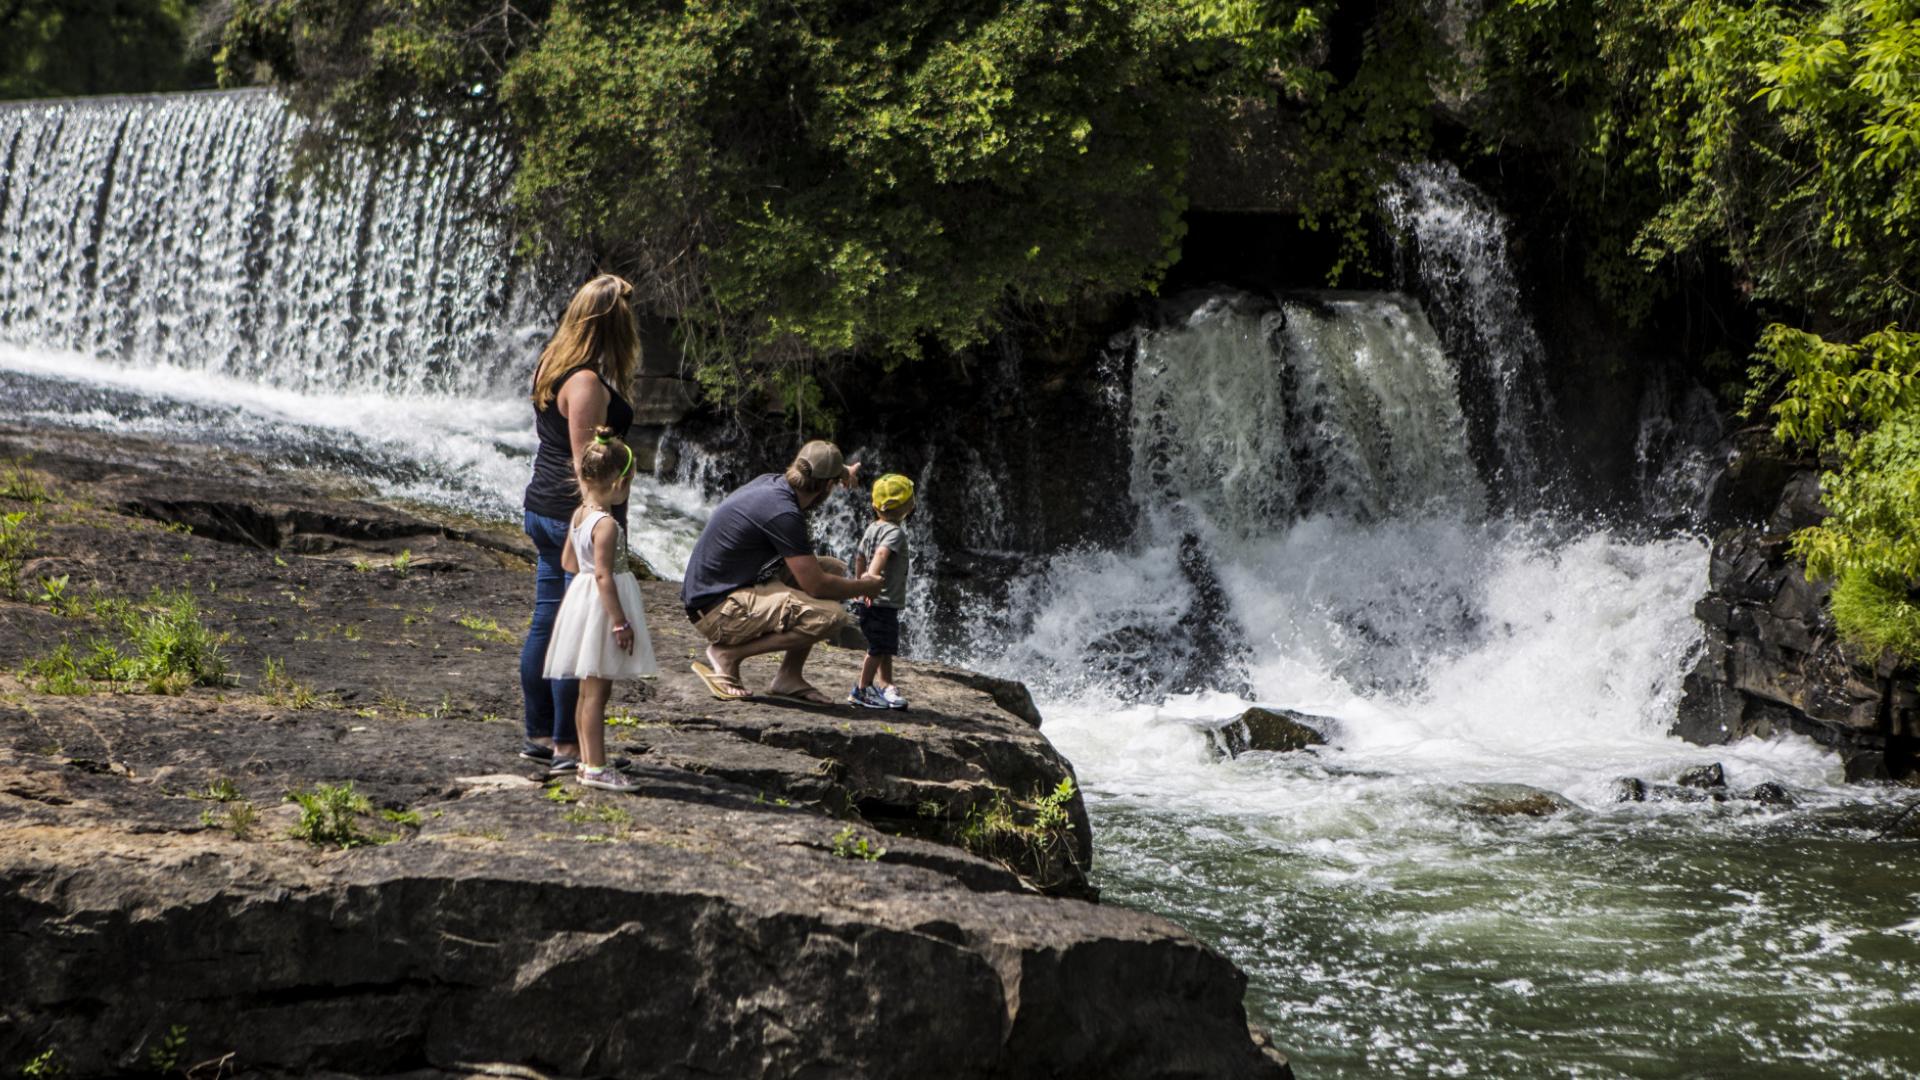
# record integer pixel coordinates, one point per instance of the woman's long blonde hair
(598, 331)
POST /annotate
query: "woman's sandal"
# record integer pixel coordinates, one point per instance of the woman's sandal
(722, 687)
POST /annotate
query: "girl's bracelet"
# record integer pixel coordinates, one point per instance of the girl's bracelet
(623, 626)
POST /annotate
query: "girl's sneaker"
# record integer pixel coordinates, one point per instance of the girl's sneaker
(890, 697)
(606, 778)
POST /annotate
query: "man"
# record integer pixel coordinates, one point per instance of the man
(754, 585)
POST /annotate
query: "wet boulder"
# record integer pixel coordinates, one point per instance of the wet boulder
(1280, 731)
(1518, 801)
(1703, 777)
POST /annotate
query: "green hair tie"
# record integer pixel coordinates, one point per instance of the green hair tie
(600, 439)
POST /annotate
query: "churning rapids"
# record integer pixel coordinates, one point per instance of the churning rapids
(1339, 511)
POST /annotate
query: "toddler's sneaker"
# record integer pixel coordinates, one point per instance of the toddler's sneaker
(892, 698)
(606, 778)
(867, 697)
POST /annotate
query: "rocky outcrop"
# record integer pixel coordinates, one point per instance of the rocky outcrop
(793, 891)
(1771, 660)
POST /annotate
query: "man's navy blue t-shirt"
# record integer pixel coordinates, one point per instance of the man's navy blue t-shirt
(754, 527)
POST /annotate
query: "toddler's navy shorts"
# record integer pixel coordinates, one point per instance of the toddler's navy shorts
(881, 625)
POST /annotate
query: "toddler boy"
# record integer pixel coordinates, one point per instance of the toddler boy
(883, 554)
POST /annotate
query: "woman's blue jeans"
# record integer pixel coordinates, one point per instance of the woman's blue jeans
(549, 701)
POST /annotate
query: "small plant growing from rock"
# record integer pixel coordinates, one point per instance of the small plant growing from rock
(237, 818)
(164, 1057)
(849, 844)
(1040, 845)
(15, 541)
(402, 563)
(330, 816)
(409, 818)
(21, 484)
(557, 792)
(45, 1066)
(283, 690)
(53, 593)
(221, 790)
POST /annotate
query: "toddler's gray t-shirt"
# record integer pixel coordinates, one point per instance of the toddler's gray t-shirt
(885, 534)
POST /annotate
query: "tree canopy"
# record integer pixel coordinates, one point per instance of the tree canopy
(56, 48)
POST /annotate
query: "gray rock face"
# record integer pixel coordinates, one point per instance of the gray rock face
(789, 894)
(1771, 661)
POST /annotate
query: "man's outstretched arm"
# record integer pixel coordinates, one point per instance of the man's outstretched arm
(815, 581)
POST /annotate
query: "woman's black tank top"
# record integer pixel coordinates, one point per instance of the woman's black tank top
(553, 492)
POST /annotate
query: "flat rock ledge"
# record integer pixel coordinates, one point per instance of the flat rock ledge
(792, 893)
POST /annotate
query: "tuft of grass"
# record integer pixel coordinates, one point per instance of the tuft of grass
(168, 647)
(330, 816)
(21, 484)
(237, 818)
(486, 629)
(16, 539)
(283, 690)
(849, 844)
(221, 790)
(402, 563)
(401, 817)
(557, 792)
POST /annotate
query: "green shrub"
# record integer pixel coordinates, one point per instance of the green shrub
(170, 646)
(330, 816)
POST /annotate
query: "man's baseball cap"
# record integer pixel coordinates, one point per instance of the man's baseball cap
(821, 460)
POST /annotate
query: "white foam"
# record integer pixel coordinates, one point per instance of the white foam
(484, 442)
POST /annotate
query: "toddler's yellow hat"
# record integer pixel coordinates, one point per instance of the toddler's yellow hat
(892, 491)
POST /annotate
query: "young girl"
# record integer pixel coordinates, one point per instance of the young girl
(600, 633)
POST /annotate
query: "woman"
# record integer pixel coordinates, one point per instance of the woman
(581, 383)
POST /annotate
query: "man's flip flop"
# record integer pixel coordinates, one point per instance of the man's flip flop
(811, 697)
(718, 684)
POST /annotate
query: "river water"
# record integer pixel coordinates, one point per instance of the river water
(1342, 510)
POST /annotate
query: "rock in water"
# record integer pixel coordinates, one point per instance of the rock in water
(1629, 789)
(1518, 801)
(1704, 777)
(1276, 730)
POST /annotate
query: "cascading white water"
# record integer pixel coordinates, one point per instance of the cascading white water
(164, 230)
(159, 273)
(1456, 242)
(1313, 534)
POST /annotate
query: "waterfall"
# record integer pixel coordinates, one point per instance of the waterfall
(161, 274)
(1453, 249)
(163, 230)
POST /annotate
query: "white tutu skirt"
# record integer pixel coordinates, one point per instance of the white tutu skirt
(583, 646)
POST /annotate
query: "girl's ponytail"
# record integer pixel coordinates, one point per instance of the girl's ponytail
(606, 459)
